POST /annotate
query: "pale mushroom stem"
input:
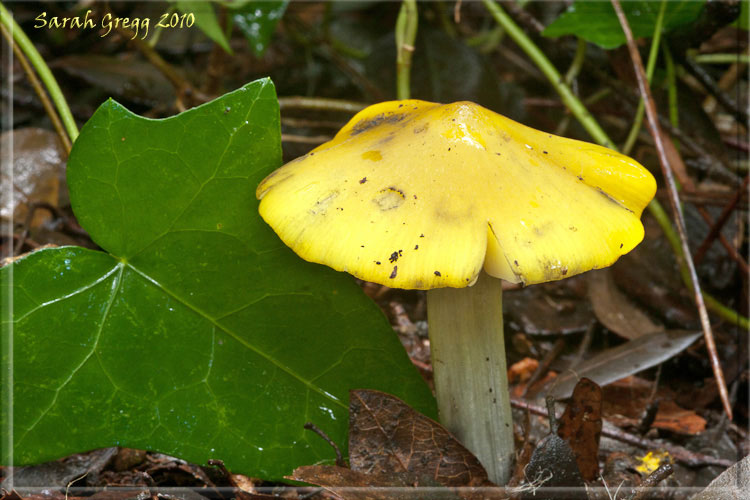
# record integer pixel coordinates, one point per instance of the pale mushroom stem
(468, 361)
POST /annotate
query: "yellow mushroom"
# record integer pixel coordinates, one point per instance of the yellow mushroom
(419, 195)
(413, 194)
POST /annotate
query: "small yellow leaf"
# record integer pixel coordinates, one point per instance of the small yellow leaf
(652, 461)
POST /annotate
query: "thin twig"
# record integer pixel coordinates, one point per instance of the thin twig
(554, 425)
(719, 224)
(710, 85)
(690, 142)
(648, 416)
(678, 166)
(656, 477)
(31, 210)
(530, 23)
(39, 89)
(304, 123)
(321, 104)
(317, 430)
(183, 88)
(304, 139)
(543, 366)
(674, 201)
(683, 455)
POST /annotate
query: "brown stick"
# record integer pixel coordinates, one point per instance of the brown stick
(719, 224)
(656, 477)
(182, 87)
(679, 453)
(317, 430)
(678, 166)
(653, 123)
(321, 104)
(543, 366)
(709, 84)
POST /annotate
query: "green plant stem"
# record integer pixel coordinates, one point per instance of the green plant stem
(469, 369)
(652, 57)
(39, 89)
(445, 22)
(45, 75)
(577, 64)
(406, 34)
(674, 114)
(597, 133)
(721, 58)
(545, 66)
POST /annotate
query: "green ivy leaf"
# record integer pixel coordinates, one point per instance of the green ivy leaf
(257, 20)
(198, 334)
(205, 19)
(597, 22)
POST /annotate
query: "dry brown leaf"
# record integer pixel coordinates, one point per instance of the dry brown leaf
(385, 434)
(38, 169)
(628, 358)
(393, 450)
(625, 401)
(673, 418)
(581, 427)
(614, 310)
(348, 484)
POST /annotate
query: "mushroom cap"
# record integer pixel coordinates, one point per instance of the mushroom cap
(419, 195)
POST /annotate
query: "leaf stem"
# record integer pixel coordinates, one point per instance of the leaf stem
(406, 34)
(45, 75)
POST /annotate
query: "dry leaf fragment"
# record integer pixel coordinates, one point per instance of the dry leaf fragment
(37, 172)
(396, 452)
(385, 434)
(614, 310)
(624, 401)
(732, 484)
(581, 427)
(626, 359)
(348, 484)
